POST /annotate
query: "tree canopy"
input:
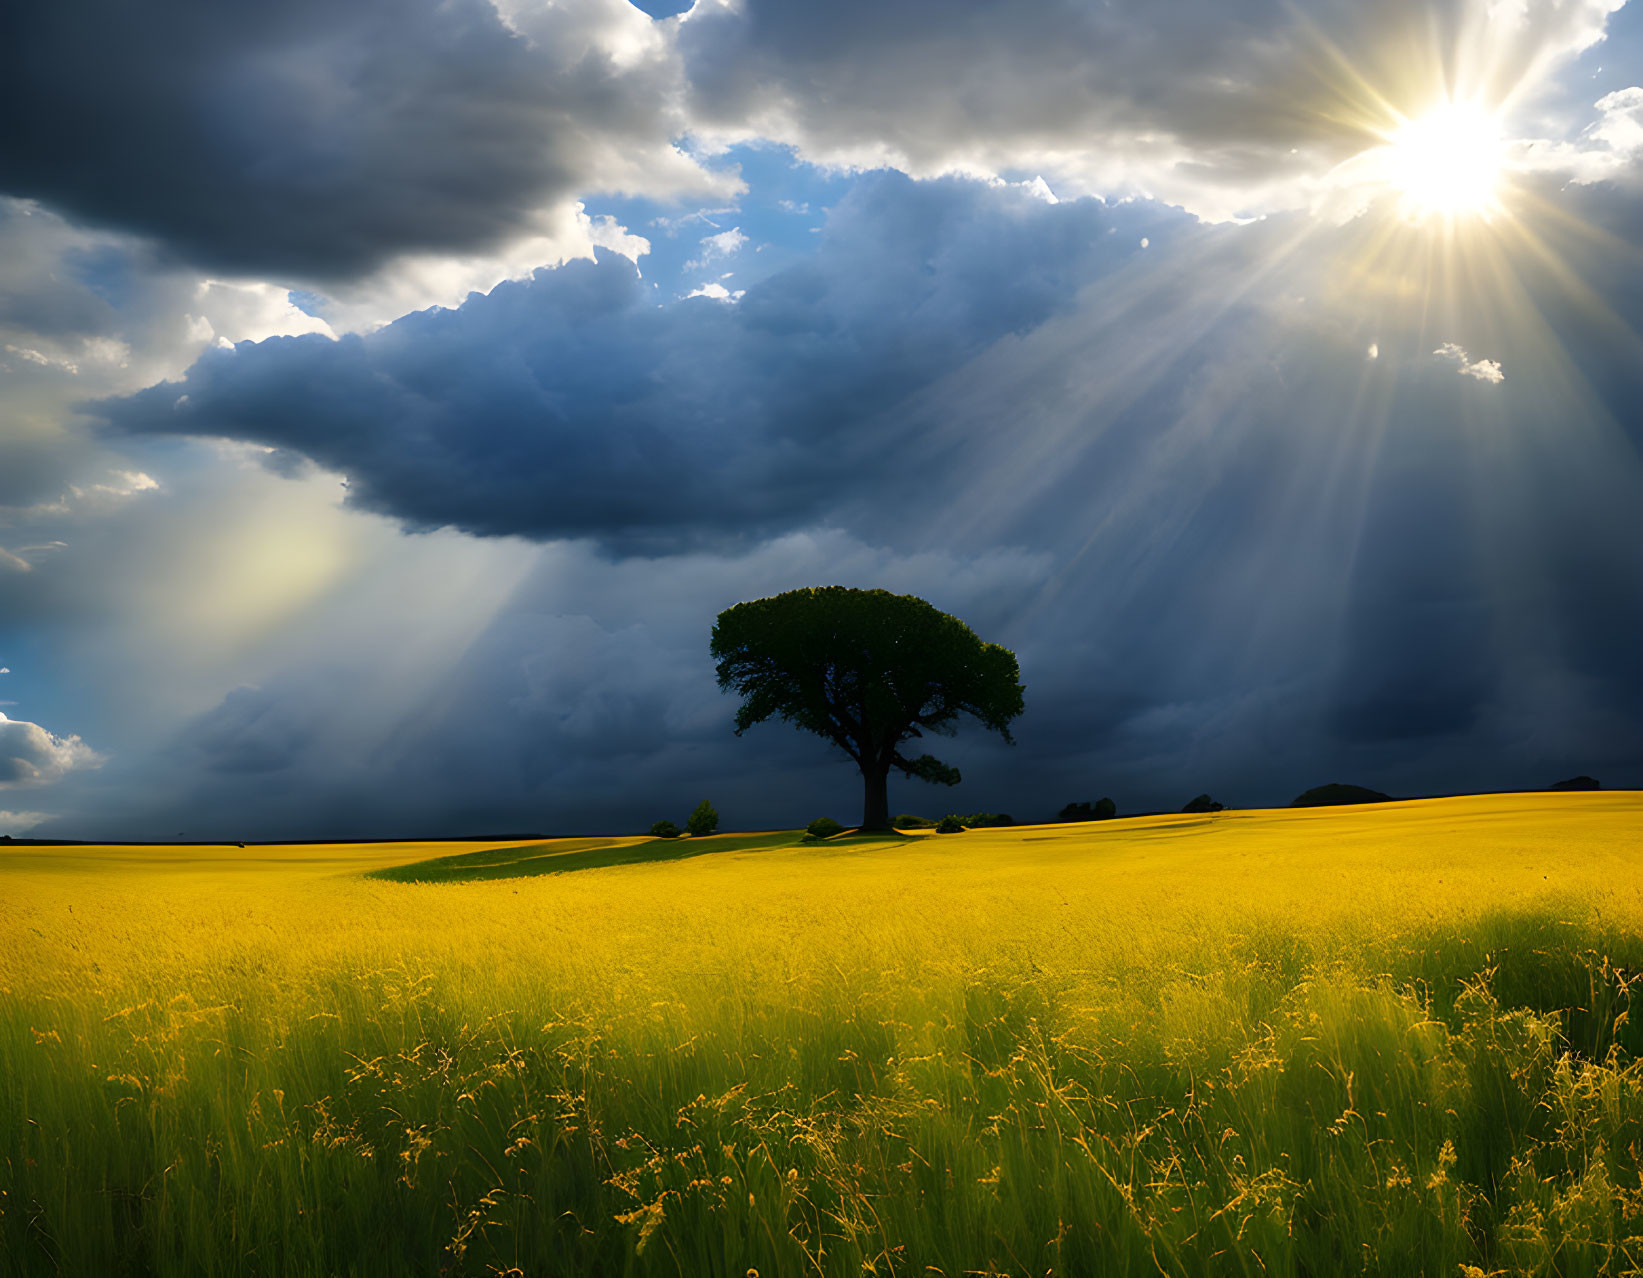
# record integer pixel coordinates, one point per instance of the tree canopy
(1335, 793)
(869, 671)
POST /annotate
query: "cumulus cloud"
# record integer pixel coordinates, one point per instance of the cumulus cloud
(570, 405)
(99, 312)
(305, 140)
(1606, 149)
(1229, 108)
(31, 756)
(1620, 128)
(1484, 370)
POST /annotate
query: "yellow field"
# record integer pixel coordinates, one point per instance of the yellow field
(652, 1031)
(1086, 898)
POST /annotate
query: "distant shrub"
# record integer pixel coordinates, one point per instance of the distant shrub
(1320, 796)
(907, 821)
(704, 820)
(664, 830)
(981, 820)
(949, 825)
(823, 828)
(1576, 783)
(1100, 810)
(1203, 803)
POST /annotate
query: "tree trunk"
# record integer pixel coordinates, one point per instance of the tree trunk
(876, 809)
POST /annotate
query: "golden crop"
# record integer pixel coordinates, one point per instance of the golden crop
(1164, 1036)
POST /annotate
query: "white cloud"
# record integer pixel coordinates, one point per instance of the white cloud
(724, 244)
(18, 822)
(1621, 128)
(95, 498)
(31, 756)
(606, 232)
(1485, 370)
(31, 355)
(229, 311)
(87, 351)
(414, 282)
(717, 291)
(122, 483)
(1606, 148)
(1040, 189)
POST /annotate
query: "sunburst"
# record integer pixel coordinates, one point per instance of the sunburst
(1447, 163)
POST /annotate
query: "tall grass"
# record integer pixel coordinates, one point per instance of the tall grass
(1384, 1041)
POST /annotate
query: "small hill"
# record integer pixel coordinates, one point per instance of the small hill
(1576, 783)
(1320, 796)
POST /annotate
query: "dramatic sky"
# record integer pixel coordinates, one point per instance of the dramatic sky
(392, 393)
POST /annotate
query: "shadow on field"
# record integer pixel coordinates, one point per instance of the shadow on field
(501, 863)
(569, 855)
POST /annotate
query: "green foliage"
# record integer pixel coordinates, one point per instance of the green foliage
(907, 821)
(703, 820)
(1203, 803)
(823, 828)
(929, 768)
(868, 670)
(664, 830)
(1100, 810)
(1577, 783)
(985, 820)
(950, 824)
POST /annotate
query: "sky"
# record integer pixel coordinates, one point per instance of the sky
(392, 394)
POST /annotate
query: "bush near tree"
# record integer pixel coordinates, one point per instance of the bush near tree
(664, 830)
(1203, 803)
(907, 821)
(704, 820)
(823, 828)
(949, 825)
(1100, 810)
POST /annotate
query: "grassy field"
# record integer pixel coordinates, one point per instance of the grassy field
(1393, 1039)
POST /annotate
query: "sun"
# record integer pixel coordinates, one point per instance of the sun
(1446, 163)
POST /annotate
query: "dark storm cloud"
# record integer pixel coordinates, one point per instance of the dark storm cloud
(1245, 557)
(575, 405)
(587, 701)
(1273, 560)
(313, 139)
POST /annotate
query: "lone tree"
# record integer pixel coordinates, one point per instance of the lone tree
(869, 671)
